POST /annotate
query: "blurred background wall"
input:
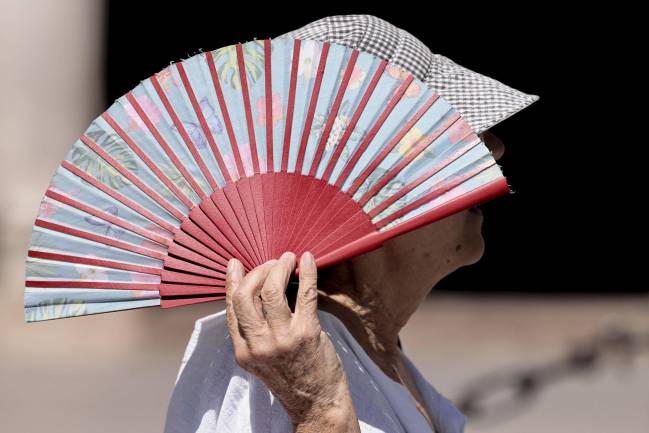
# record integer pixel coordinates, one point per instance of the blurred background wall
(116, 372)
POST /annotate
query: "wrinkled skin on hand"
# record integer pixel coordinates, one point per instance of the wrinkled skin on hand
(288, 350)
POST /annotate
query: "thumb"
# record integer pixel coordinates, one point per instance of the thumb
(306, 305)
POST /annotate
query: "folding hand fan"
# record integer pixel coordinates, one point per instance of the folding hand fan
(247, 151)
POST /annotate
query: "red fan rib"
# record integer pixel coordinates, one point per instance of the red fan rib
(91, 285)
(313, 196)
(128, 175)
(149, 163)
(254, 196)
(93, 262)
(354, 120)
(252, 142)
(228, 124)
(325, 221)
(385, 151)
(421, 179)
(268, 87)
(120, 222)
(123, 199)
(226, 230)
(291, 104)
(100, 239)
(298, 192)
(421, 145)
(351, 163)
(165, 146)
(181, 128)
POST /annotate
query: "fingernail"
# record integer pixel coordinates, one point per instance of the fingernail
(232, 265)
(308, 259)
(288, 257)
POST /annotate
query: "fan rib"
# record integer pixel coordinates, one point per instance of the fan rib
(67, 284)
(413, 152)
(298, 192)
(122, 198)
(312, 199)
(313, 102)
(281, 184)
(248, 205)
(316, 223)
(394, 100)
(179, 125)
(223, 199)
(93, 262)
(268, 90)
(342, 209)
(130, 176)
(165, 146)
(256, 197)
(444, 187)
(198, 233)
(149, 163)
(340, 146)
(422, 178)
(288, 125)
(333, 113)
(179, 250)
(100, 239)
(252, 141)
(181, 277)
(385, 151)
(221, 223)
(202, 220)
(179, 302)
(268, 190)
(120, 222)
(357, 225)
(183, 265)
(244, 193)
(184, 238)
(178, 291)
(228, 124)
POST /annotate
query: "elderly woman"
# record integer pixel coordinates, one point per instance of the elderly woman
(334, 363)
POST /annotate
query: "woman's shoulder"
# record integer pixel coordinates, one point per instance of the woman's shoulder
(212, 393)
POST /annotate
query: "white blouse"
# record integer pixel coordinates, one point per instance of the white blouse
(213, 394)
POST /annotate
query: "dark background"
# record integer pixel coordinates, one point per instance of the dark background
(567, 227)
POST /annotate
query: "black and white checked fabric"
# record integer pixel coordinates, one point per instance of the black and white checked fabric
(482, 101)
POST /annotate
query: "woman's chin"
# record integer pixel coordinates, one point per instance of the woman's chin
(473, 246)
(475, 252)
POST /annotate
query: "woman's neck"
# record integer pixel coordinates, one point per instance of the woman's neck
(374, 311)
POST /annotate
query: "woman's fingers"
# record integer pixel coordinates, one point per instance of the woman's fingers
(273, 298)
(233, 277)
(249, 318)
(306, 307)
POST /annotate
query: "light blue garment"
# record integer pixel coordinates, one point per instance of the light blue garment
(213, 394)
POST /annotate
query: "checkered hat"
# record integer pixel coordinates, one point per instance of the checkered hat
(482, 101)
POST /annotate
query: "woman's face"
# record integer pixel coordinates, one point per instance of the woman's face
(425, 255)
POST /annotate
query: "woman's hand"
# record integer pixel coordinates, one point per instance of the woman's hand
(288, 351)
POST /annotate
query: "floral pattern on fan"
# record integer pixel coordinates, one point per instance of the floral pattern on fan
(226, 63)
(90, 162)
